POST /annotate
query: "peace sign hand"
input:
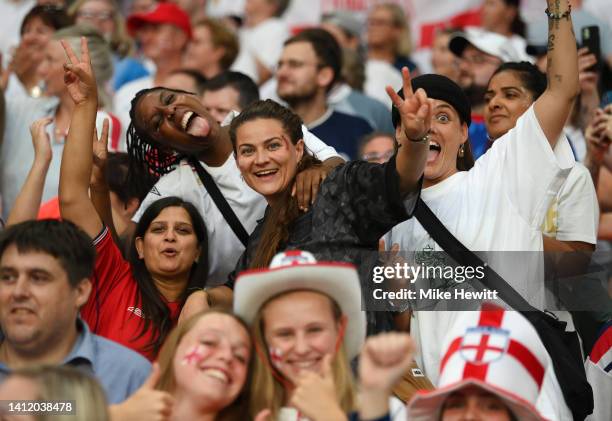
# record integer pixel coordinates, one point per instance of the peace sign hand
(78, 74)
(414, 109)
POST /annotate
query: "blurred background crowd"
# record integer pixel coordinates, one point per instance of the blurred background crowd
(329, 62)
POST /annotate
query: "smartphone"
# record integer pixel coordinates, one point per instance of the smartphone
(590, 39)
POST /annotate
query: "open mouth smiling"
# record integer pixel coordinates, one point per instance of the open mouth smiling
(265, 173)
(194, 125)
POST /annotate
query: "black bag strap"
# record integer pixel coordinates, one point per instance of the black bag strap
(464, 256)
(217, 197)
(567, 363)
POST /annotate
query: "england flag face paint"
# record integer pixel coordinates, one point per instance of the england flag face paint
(194, 355)
(276, 357)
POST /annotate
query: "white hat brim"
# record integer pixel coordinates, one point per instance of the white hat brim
(339, 281)
(426, 405)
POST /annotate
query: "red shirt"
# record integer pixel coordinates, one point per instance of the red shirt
(113, 309)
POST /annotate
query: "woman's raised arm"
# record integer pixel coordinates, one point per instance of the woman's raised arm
(75, 172)
(553, 107)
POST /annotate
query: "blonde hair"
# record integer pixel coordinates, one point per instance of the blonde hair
(120, 43)
(99, 53)
(267, 392)
(166, 363)
(404, 43)
(64, 383)
(221, 37)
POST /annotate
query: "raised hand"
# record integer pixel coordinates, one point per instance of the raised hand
(384, 359)
(146, 403)
(315, 394)
(587, 77)
(414, 109)
(100, 155)
(41, 140)
(78, 74)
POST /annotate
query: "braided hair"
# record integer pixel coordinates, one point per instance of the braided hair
(148, 159)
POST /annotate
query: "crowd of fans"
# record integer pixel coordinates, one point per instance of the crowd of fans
(196, 196)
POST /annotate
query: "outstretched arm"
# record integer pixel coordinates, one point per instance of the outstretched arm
(75, 204)
(415, 113)
(553, 107)
(28, 201)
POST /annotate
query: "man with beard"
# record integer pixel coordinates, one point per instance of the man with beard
(480, 52)
(309, 66)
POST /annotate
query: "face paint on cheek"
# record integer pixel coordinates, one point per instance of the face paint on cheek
(276, 357)
(194, 356)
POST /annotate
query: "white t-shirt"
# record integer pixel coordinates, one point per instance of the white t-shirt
(379, 74)
(11, 17)
(574, 213)
(17, 152)
(499, 205)
(224, 248)
(263, 42)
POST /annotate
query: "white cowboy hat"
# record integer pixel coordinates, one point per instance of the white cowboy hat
(496, 350)
(298, 270)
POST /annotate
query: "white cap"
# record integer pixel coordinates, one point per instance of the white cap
(488, 42)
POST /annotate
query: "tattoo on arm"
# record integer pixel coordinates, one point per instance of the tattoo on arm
(551, 42)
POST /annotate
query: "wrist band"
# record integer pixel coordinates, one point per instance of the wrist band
(564, 15)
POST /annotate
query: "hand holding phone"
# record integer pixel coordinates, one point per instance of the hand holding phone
(590, 40)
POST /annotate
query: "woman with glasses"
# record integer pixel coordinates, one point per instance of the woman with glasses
(377, 147)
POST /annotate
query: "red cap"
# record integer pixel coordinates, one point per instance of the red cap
(166, 12)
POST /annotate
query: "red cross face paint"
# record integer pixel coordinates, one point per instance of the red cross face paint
(194, 356)
(211, 361)
(276, 357)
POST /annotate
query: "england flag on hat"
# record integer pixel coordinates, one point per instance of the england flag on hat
(496, 350)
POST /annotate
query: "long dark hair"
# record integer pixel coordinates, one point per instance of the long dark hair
(280, 217)
(151, 302)
(530, 76)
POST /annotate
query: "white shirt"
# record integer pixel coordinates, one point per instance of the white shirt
(11, 17)
(379, 74)
(499, 205)
(574, 212)
(17, 152)
(263, 42)
(224, 248)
